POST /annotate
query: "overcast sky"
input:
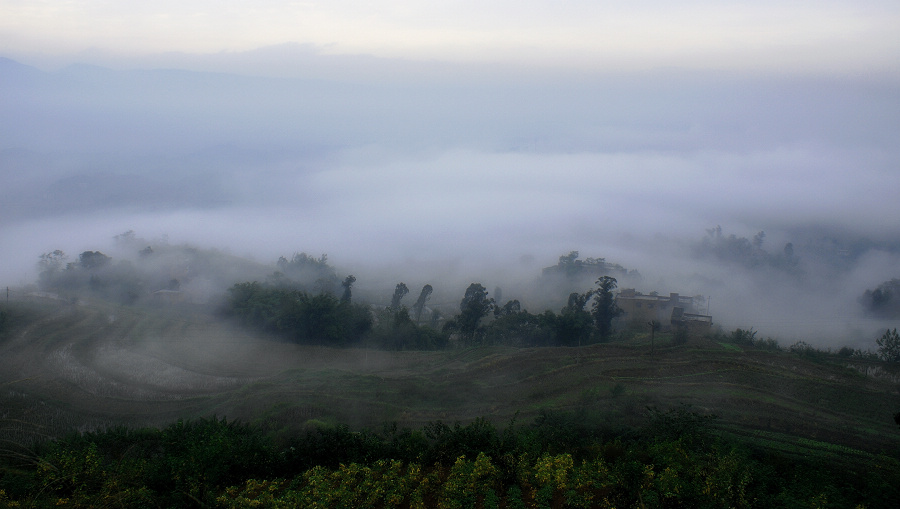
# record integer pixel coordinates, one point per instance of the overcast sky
(796, 36)
(474, 135)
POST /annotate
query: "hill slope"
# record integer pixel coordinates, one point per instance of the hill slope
(93, 365)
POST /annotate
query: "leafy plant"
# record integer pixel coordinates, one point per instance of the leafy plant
(889, 346)
(743, 336)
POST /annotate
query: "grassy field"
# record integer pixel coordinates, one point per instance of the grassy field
(84, 366)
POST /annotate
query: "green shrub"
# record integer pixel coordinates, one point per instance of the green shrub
(743, 336)
(889, 346)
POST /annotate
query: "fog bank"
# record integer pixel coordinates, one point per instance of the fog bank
(487, 178)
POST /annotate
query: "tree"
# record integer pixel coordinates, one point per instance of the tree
(889, 346)
(304, 318)
(397, 331)
(125, 239)
(304, 271)
(883, 301)
(420, 302)
(93, 260)
(347, 284)
(49, 267)
(758, 240)
(573, 325)
(52, 262)
(789, 250)
(605, 307)
(399, 292)
(474, 306)
(569, 264)
(510, 308)
(515, 326)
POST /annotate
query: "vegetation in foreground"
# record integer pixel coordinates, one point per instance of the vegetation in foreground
(677, 459)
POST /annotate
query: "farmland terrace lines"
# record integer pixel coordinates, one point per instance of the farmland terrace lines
(102, 363)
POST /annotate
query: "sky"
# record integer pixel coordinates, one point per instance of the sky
(471, 140)
(796, 36)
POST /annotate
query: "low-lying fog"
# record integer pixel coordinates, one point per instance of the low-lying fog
(475, 175)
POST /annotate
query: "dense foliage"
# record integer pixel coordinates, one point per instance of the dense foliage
(152, 272)
(301, 317)
(559, 460)
(883, 301)
(889, 346)
(746, 252)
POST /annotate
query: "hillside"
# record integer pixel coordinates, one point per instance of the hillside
(93, 365)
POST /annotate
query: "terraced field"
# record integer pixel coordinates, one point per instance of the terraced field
(94, 365)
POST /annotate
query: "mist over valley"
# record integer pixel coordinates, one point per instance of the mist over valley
(476, 175)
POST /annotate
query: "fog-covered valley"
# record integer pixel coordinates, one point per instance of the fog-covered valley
(475, 174)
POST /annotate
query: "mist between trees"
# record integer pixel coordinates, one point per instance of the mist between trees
(304, 300)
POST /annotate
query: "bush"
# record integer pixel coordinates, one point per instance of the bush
(889, 346)
(743, 337)
(680, 423)
(561, 460)
(767, 344)
(521, 328)
(397, 331)
(801, 348)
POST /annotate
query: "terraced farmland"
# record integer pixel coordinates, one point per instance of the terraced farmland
(95, 365)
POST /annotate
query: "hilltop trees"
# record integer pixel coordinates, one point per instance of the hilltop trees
(474, 306)
(347, 284)
(298, 316)
(420, 302)
(883, 301)
(304, 301)
(93, 274)
(605, 308)
(323, 319)
(50, 265)
(573, 325)
(400, 291)
(746, 252)
(93, 260)
(303, 271)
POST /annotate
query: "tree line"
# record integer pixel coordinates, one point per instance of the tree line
(306, 317)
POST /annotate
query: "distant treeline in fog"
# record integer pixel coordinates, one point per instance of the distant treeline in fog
(303, 298)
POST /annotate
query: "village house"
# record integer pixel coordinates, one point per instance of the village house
(669, 311)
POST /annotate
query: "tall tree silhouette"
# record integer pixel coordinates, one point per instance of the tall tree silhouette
(420, 302)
